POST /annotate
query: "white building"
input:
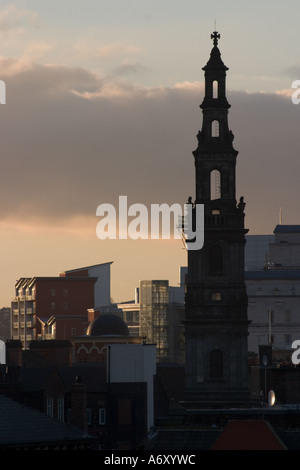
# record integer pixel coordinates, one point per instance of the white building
(134, 363)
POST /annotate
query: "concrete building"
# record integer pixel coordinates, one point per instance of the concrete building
(274, 294)
(157, 315)
(257, 251)
(133, 363)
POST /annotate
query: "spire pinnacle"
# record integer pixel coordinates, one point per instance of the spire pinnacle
(215, 36)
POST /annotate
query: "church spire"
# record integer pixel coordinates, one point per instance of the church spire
(216, 324)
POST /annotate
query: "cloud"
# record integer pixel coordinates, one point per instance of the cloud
(129, 68)
(87, 49)
(14, 19)
(71, 140)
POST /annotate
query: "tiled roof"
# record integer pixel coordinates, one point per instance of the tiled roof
(23, 427)
(248, 435)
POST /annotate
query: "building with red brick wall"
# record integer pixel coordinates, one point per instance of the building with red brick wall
(51, 308)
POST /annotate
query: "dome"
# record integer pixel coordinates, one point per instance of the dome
(107, 324)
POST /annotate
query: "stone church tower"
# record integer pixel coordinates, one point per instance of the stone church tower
(216, 322)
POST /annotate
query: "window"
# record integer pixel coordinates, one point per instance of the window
(216, 364)
(102, 416)
(215, 128)
(50, 406)
(52, 305)
(215, 184)
(288, 340)
(65, 305)
(61, 408)
(53, 292)
(88, 414)
(65, 292)
(287, 316)
(215, 89)
(216, 296)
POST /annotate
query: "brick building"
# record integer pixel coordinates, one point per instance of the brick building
(51, 307)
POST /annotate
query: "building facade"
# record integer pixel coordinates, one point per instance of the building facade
(102, 285)
(274, 294)
(51, 308)
(157, 315)
(216, 323)
(105, 330)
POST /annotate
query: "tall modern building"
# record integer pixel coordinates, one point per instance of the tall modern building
(216, 324)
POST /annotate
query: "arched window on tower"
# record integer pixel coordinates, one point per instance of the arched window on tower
(216, 364)
(215, 128)
(215, 259)
(215, 184)
(215, 89)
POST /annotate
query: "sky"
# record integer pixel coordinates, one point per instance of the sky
(102, 100)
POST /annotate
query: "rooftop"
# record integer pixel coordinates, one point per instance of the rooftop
(25, 428)
(287, 229)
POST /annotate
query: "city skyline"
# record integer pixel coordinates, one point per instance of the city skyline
(73, 76)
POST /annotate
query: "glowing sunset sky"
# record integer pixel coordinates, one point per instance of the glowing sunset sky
(103, 100)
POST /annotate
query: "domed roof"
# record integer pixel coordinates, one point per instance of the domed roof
(107, 324)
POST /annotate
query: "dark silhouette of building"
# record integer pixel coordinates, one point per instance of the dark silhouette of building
(109, 398)
(216, 322)
(23, 428)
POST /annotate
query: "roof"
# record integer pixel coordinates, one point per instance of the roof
(30, 281)
(248, 435)
(287, 229)
(184, 439)
(87, 267)
(270, 274)
(23, 427)
(107, 324)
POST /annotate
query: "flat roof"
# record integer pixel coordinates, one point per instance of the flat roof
(287, 229)
(273, 274)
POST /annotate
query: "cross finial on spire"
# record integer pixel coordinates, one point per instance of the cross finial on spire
(215, 36)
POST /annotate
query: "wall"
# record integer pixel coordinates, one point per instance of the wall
(134, 363)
